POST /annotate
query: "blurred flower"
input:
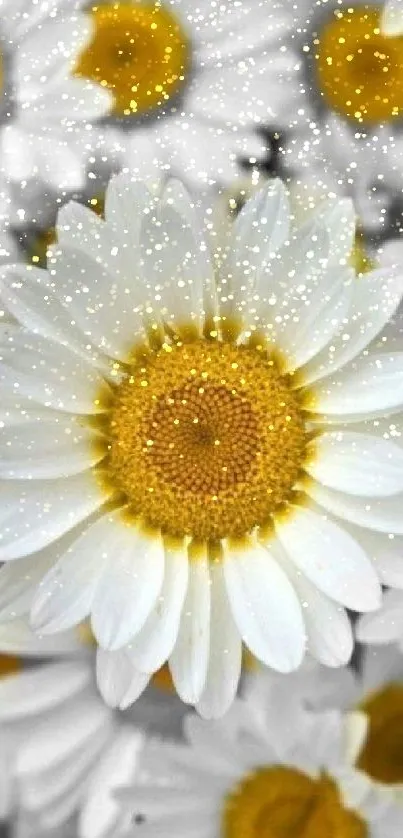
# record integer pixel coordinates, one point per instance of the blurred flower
(273, 769)
(386, 625)
(191, 83)
(45, 111)
(173, 424)
(66, 751)
(345, 129)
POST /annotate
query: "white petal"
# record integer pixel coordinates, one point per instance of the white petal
(27, 292)
(66, 593)
(76, 99)
(190, 657)
(139, 681)
(328, 628)
(225, 660)
(175, 266)
(153, 645)
(19, 581)
(374, 384)
(392, 18)
(46, 447)
(33, 513)
(38, 690)
(18, 638)
(101, 813)
(126, 201)
(330, 558)
(130, 583)
(265, 607)
(56, 738)
(374, 302)
(114, 674)
(386, 625)
(381, 514)
(106, 303)
(358, 464)
(50, 374)
(339, 219)
(260, 229)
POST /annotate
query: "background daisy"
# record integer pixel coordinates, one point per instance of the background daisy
(190, 83)
(248, 771)
(46, 111)
(345, 127)
(64, 749)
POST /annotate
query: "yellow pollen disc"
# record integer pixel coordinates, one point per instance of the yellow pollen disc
(9, 665)
(139, 52)
(206, 439)
(359, 70)
(382, 754)
(281, 802)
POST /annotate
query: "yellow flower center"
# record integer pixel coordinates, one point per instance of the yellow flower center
(9, 665)
(281, 802)
(139, 52)
(382, 754)
(359, 70)
(205, 439)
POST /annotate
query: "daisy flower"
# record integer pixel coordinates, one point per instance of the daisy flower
(68, 750)
(190, 82)
(185, 416)
(377, 690)
(45, 108)
(345, 129)
(251, 774)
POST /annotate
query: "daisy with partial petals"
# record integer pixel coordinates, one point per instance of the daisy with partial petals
(274, 770)
(66, 751)
(185, 418)
(346, 128)
(190, 82)
(45, 111)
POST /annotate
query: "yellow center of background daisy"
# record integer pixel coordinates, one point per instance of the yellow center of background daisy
(359, 70)
(9, 665)
(206, 439)
(382, 754)
(282, 802)
(139, 52)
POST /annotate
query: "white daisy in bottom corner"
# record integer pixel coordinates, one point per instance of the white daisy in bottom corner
(195, 443)
(278, 771)
(64, 751)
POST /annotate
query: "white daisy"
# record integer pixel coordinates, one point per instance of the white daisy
(191, 82)
(68, 750)
(275, 771)
(349, 76)
(181, 431)
(45, 110)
